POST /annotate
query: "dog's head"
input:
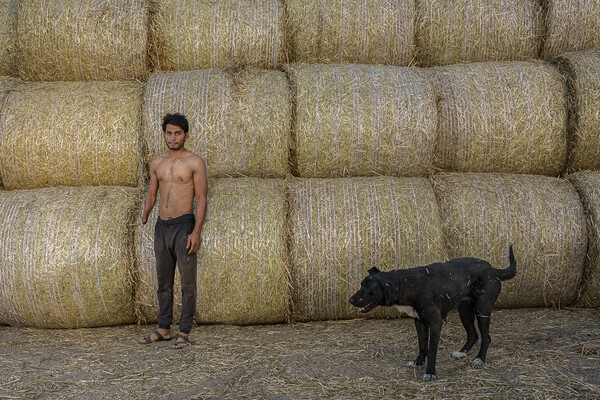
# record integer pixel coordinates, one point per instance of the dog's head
(375, 290)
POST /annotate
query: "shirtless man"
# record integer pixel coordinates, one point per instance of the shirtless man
(180, 175)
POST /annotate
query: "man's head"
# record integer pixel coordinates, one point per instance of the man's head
(175, 130)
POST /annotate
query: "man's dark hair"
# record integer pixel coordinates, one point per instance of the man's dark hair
(176, 119)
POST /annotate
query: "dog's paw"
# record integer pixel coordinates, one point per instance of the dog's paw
(429, 377)
(457, 355)
(411, 364)
(477, 362)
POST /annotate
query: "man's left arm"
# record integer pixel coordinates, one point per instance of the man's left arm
(200, 191)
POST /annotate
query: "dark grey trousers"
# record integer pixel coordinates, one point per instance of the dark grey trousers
(170, 241)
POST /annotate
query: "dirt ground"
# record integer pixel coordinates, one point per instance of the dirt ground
(535, 354)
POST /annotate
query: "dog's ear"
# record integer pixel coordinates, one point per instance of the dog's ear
(373, 271)
(390, 292)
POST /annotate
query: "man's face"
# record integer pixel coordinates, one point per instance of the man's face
(175, 137)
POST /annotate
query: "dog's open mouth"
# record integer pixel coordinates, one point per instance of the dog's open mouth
(367, 308)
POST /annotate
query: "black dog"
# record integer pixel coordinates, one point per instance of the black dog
(428, 293)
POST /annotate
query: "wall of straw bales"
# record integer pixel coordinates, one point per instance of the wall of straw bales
(352, 31)
(242, 264)
(452, 32)
(65, 257)
(588, 186)
(501, 117)
(8, 18)
(80, 40)
(359, 120)
(240, 122)
(482, 214)
(570, 26)
(582, 70)
(342, 227)
(192, 34)
(70, 134)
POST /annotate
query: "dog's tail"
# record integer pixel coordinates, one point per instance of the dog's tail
(511, 271)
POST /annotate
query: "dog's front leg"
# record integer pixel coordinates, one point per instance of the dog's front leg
(423, 336)
(435, 329)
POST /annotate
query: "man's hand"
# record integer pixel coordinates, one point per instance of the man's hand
(193, 242)
(144, 219)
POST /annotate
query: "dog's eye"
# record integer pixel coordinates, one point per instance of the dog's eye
(370, 293)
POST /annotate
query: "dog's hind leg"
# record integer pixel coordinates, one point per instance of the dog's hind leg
(483, 321)
(467, 317)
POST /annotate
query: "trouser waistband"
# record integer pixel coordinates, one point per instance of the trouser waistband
(175, 221)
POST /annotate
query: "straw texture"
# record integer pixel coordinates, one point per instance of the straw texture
(587, 184)
(66, 257)
(582, 70)
(461, 31)
(71, 134)
(501, 117)
(242, 262)
(359, 120)
(200, 34)
(483, 214)
(342, 227)
(8, 18)
(240, 121)
(80, 40)
(570, 26)
(352, 31)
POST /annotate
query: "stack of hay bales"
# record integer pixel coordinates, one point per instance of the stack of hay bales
(342, 227)
(8, 18)
(482, 214)
(242, 262)
(240, 121)
(360, 120)
(65, 256)
(81, 40)
(570, 26)
(352, 31)
(70, 134)
(197, 34)
(452, 32)
(588, 185)
(583, 72)
(501, 117)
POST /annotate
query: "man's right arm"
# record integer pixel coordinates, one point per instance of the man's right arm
(152, 191)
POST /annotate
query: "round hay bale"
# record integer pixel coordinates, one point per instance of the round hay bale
(72, 134)
(242, 262)
(466, 31)
(582, 70)
(200, 34)
(240, 122)
(8, 18)
(483, 214)
(82, 40)
(587, 184)
(66, 256)
(570, 26)
(352, 31)
(359, 120)
(342, 227)
(501, 117)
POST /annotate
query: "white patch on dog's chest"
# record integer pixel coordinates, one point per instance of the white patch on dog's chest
(408, 310)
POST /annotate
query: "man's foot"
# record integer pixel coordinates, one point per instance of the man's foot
(156, 336)
(182, 340)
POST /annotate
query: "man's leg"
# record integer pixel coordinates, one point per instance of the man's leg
(187, 264)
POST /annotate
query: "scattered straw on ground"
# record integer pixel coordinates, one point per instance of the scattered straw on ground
(483, 214)
(351, 31)
(535, 354)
